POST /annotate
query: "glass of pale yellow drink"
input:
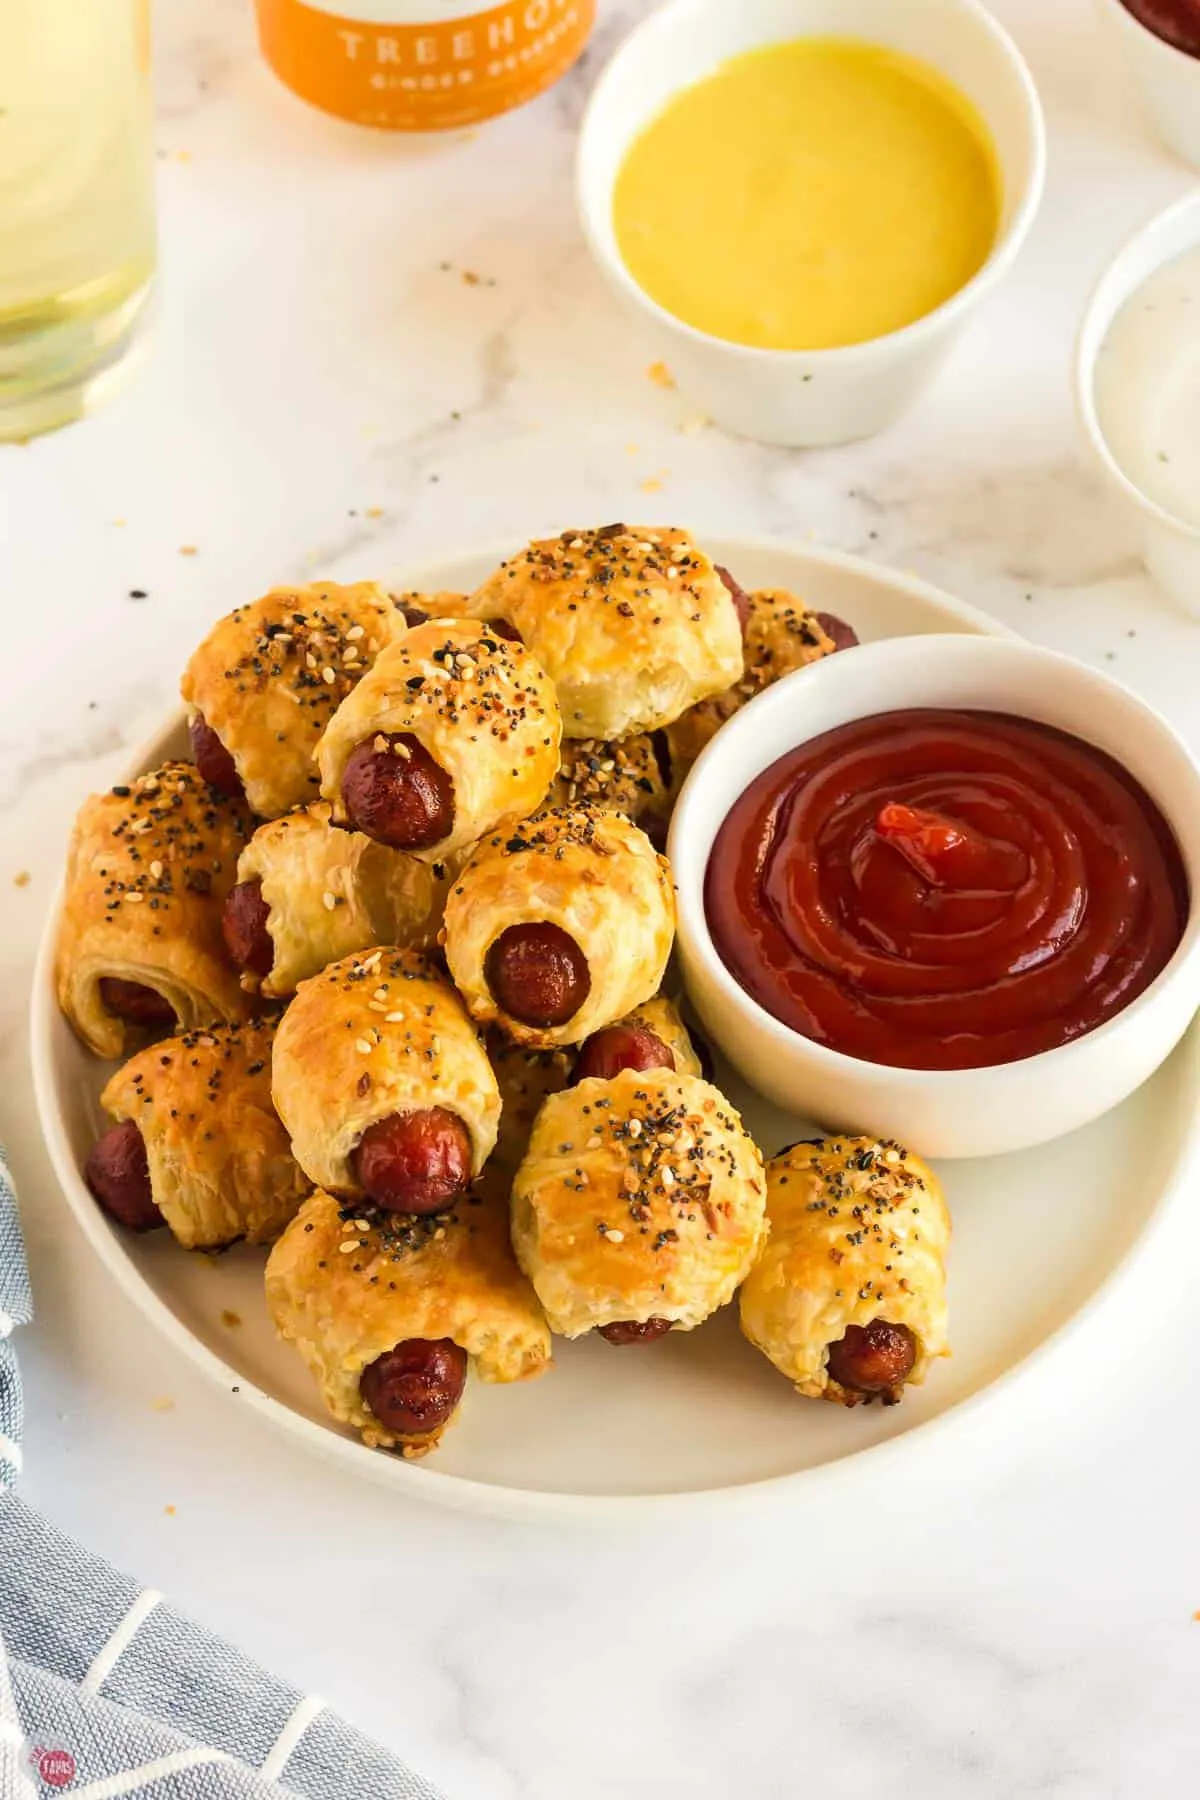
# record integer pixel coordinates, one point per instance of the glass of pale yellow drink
(76, 203)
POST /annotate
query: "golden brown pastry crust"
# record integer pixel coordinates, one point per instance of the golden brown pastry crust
(638, 1198)
(525, 1078)
(594, 874)
(859, 1231)
(220, 1164)
(632, 624)
(269, 677)
(481, 706)
(781, 635)
(370, 1036)
(148, 869)
(448, 1276)
(332, 892)
(442, 603)
(621, 776)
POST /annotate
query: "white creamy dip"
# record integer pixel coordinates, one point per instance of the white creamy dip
(1147, 387)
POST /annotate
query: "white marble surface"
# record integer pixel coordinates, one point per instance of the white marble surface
(1007, 1616)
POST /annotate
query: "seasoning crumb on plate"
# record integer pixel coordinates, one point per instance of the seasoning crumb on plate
(22, 878)
(660, 375)
(230, 1319)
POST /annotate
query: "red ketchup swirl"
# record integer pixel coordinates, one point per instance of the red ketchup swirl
(1177, 22)
(934, 889)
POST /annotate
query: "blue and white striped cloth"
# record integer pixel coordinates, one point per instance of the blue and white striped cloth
(107, 1693)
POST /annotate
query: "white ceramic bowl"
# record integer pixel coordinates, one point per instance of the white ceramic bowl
(822, 396)
(1170, 546)
(1167, 78)
(961, 1112)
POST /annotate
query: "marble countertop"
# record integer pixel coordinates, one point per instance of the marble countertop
(370, 351)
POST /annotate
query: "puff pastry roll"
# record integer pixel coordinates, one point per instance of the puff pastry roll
(198, 1146)
(268, 678)
(849, 1298)
(454, 730)
(561, 926)
(308, 894)
(525, 1078)
(633, 625)
(652, 1036)
(627, 775)
(388, 1313)
(780, 635)
(139, 939)
(383, 1084)
(639, 1205)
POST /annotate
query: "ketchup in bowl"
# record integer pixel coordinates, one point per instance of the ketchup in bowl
(934, 889)
(1177, 22)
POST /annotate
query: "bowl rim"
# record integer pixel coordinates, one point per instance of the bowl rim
(1090, 340)
(1061, 1062)
(663, 21)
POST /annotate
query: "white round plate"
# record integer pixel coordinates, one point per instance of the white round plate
(699, 1418)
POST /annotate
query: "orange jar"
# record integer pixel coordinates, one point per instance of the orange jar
(390, 64)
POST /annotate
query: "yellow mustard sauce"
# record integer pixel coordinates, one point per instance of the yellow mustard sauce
(808, 195)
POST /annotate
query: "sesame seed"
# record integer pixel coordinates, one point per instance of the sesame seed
(133, 897)
(328, 675)
(329, 900)
(635, 1128)
(351, 1245)
(363, 1046)
(615, 1237)
(156, 870)
(393, 1018)
(355, 631)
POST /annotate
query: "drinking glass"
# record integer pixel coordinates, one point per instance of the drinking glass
(76, 203)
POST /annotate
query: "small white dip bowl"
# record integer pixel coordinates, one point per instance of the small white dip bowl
(1170, 546)
(1167, 77)
(958, 1112)
(803, 397)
